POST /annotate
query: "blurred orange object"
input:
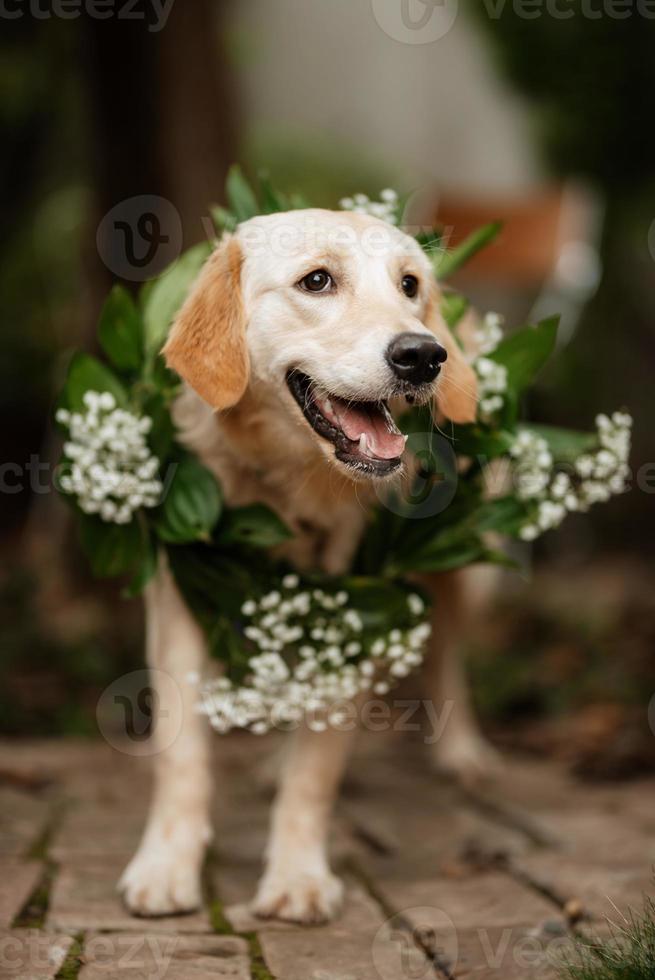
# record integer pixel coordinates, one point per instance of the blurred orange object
(539, 231)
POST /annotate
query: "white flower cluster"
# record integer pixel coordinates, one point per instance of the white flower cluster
(492, 385)
(594, 477)
(314, 655)
(112, 471)
(386, 208)
(492, 377)
(489, 333)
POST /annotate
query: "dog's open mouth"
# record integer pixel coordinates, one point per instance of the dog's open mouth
(364, 434)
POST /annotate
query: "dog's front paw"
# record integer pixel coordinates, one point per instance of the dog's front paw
(157, 882)
(298, 897)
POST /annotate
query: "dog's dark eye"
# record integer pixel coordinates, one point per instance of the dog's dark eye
(318, 281)
(410, 286)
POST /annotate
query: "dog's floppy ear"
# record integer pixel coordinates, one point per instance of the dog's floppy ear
(207, 343)
(457, 391)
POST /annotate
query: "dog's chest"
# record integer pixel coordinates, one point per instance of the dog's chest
(325, 511)
(321, 509)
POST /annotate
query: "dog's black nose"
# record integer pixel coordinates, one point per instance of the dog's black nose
(416, 358)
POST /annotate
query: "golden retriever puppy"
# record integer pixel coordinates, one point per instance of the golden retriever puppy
(299, 330)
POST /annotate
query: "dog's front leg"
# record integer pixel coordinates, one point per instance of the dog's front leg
(298, 884)
(164, 875)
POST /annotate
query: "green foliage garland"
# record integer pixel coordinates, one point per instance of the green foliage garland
(138, 493)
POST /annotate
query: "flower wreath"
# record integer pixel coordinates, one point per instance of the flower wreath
(297, 646)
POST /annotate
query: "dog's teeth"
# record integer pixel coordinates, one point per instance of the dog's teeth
(405, 438)
(363, 444)
(328, 405)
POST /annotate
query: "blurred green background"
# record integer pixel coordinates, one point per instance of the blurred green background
(501, 112)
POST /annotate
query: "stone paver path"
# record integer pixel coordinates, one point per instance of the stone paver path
(442, 883)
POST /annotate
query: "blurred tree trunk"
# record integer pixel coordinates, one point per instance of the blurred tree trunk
(161, 112)
(161, 121)
(197, 133)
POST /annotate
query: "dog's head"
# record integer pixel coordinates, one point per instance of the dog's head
(335, 313)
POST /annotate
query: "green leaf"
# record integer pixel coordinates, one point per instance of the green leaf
(430, 241)
(456, 548)
(453, 307)
(481, 442)
(168, 293)
(368, 592)
(112, 549)
(416, 419)
(120, 331)
(376, 546)
(163, 378)
(191, 505)
(447, 263)
(240, 195)
(525, 352)
(382, 604)
(160, 437)
(255, 525)
(446, 559)
(87, 373)
(565, 444)
(145, 291)
(272, 201)
(494, 556)
(211, 583)
(223, 219)
(227, 645)
(504, 515)
(146, 567)
(467, 440)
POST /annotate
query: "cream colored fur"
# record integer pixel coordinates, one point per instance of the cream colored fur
(244, 325)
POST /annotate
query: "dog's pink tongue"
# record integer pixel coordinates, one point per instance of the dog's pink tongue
(356, 420)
